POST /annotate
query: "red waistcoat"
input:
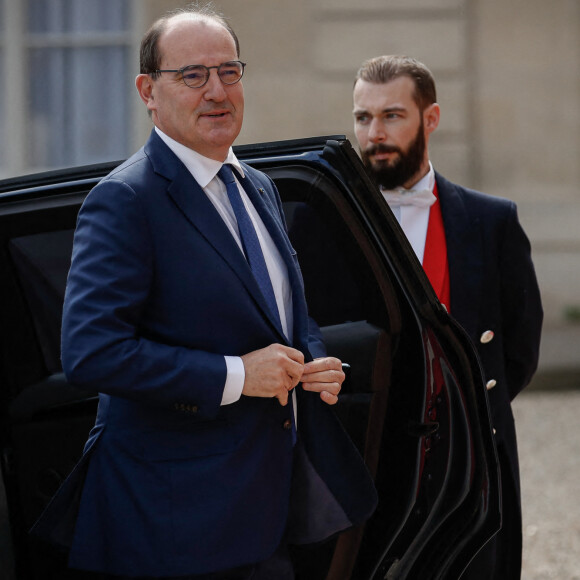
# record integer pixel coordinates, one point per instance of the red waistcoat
(435, 261)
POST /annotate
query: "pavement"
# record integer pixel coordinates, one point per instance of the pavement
(548, 428)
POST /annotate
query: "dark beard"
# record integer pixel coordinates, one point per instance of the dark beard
(403, 169)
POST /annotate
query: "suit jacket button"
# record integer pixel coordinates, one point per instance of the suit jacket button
(490, 384)
(486, 337)
(288, 424)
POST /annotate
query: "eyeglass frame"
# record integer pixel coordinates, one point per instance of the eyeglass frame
(208, 69)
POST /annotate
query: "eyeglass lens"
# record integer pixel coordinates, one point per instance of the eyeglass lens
(196, 75)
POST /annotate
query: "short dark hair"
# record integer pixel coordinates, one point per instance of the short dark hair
(383, 69)
(149, 54)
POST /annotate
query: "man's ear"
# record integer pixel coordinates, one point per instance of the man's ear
(431, 118)
(144, 85)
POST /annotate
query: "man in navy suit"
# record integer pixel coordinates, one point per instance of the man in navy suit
(475, 254)
(214, 444)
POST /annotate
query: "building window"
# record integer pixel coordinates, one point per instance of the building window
(73, 68)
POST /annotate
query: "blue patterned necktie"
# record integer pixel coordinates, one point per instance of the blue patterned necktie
(250, 242)
(254, 255)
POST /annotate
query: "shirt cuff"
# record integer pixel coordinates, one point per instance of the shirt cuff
(234, 380)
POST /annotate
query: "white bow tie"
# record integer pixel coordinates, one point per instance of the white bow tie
(402, 196)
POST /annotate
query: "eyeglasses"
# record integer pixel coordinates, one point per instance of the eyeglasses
(196, 76)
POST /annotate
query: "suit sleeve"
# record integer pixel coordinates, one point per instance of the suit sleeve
(522, 312)
(103, 346)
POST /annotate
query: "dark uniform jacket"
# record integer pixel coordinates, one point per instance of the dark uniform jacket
(495, 297)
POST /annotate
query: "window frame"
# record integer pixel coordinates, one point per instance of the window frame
(15, 43)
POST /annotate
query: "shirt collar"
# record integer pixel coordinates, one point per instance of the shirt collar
(203, 169)
(427, 181)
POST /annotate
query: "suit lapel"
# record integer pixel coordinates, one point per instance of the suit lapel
(200, 212)
(464, 253)
(273, 222)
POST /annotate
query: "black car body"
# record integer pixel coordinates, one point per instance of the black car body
(414, 400)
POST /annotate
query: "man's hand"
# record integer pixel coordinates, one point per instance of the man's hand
(272, 372)
(324, 376)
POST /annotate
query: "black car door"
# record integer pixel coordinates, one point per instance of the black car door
(414, 401)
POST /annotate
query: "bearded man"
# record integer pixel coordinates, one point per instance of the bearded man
(475, 253)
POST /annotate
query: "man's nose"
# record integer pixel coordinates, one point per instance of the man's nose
(377, 133)
(214, 88)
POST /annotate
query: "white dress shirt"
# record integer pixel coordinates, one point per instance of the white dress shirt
(414, 220)
(204, 171)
